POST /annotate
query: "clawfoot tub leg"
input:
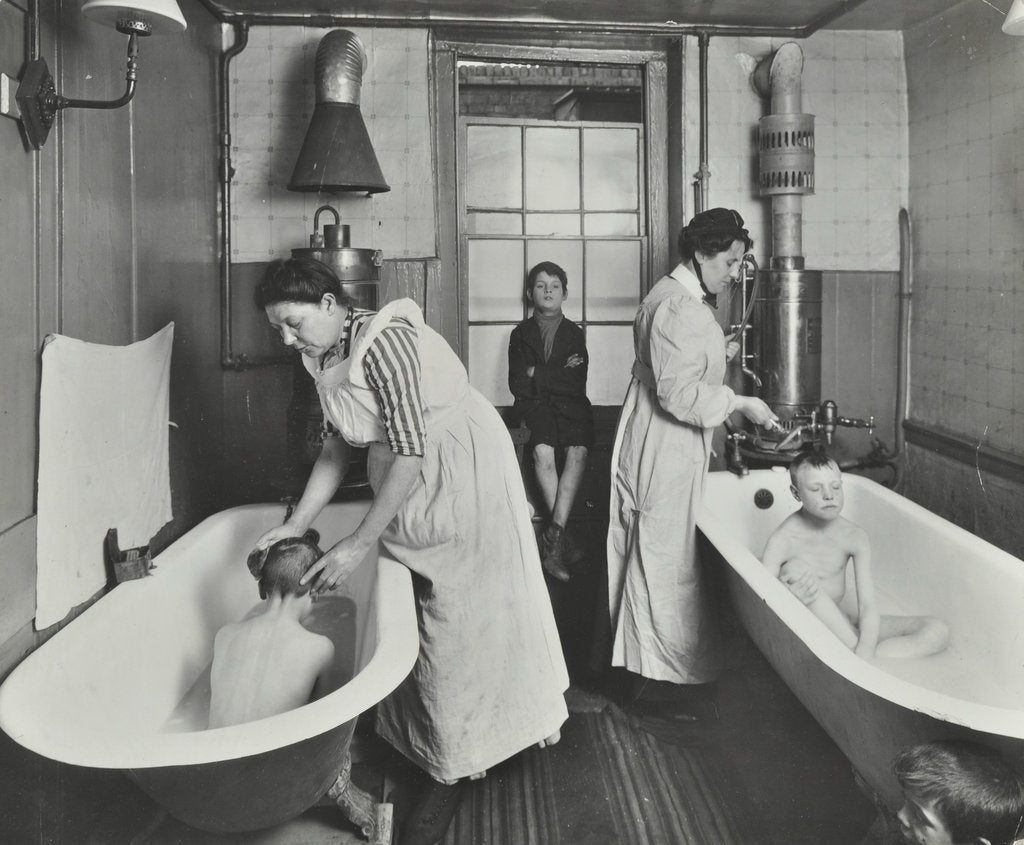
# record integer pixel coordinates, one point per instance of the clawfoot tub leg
(374, 820)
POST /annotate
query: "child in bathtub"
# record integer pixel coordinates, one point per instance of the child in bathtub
(268, 662)
(810, 551)
(957, 792)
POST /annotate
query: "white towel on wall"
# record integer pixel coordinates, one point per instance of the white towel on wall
(103, 415)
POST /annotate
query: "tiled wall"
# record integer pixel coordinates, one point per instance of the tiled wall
(854, 84)
(966, 121)
(272, 99)
(966, 83)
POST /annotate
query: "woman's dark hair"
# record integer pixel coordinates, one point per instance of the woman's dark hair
(973, 788)
(712, 232)
(551, 269)
(298, 280)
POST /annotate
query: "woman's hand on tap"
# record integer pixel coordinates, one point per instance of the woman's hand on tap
(756, 410)
(732, 347)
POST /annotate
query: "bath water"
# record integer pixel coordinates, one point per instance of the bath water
(332, 616)
(952, 671)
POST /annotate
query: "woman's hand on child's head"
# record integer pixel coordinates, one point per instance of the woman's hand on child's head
(279, 532)
(336, 565)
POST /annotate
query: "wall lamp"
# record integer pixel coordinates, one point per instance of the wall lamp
(1014, 23)
(37, 97)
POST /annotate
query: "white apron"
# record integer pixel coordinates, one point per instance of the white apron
(659, 610)
(490, 675)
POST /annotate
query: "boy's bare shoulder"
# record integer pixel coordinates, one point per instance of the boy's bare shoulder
(790, 524)
(853, 535)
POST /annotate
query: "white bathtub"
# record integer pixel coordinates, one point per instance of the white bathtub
(922, 564)
(121, 687)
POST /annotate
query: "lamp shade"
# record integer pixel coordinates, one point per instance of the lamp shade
(1014, 23)
(162, 17)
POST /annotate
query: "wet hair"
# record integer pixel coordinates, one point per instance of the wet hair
(298, 280)
(972, 787)
(286, 562)
(712, 232)
(551, 269)
(815, 458)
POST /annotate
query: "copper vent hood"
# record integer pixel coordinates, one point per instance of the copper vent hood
(336, 154)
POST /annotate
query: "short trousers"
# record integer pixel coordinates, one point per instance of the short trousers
(551, 428)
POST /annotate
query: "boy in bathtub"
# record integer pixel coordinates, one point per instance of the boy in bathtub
(268, 662)
(810, 551)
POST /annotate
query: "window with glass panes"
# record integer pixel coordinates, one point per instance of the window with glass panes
(567, 192)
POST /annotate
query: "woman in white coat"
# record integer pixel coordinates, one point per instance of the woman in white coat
(660, 613)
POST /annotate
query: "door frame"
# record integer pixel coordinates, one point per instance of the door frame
(446, 311)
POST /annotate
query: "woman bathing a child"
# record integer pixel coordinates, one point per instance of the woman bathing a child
(449, 504)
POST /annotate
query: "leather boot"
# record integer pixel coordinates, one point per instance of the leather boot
(553, 560)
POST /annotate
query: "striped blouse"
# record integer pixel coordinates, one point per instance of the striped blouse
(392, 368)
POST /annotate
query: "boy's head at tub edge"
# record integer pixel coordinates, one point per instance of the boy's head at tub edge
(285, 563)
(958, 792)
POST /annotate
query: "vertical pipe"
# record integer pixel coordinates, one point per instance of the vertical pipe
(226, 172)
(903, 349)
(703, 174)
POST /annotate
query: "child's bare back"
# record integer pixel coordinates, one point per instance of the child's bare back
(264, 665)
(268, 662)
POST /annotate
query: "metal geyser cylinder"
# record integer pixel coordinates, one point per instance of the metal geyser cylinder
(789, 305)
(358, 270)
(788, 321)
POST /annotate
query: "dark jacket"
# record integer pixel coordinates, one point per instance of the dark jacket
(553, 384)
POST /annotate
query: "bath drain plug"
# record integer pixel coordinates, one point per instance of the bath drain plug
(764, 499)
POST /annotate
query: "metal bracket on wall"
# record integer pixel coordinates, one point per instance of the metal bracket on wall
(8, 102)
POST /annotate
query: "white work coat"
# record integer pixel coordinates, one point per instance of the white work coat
(659, 609)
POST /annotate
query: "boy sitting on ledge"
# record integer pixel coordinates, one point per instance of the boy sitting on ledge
(268, 662)
(810, 551)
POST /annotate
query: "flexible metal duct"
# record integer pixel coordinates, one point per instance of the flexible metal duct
(337, 154)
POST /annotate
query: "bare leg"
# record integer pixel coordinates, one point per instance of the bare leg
(547, 473)
(911, 636)
(821, 605)
(569, 483)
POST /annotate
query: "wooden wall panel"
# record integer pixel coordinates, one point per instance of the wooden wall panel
(858, 361)
(18, 349)
(95, 205)
(107, 248)
(175, 220)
